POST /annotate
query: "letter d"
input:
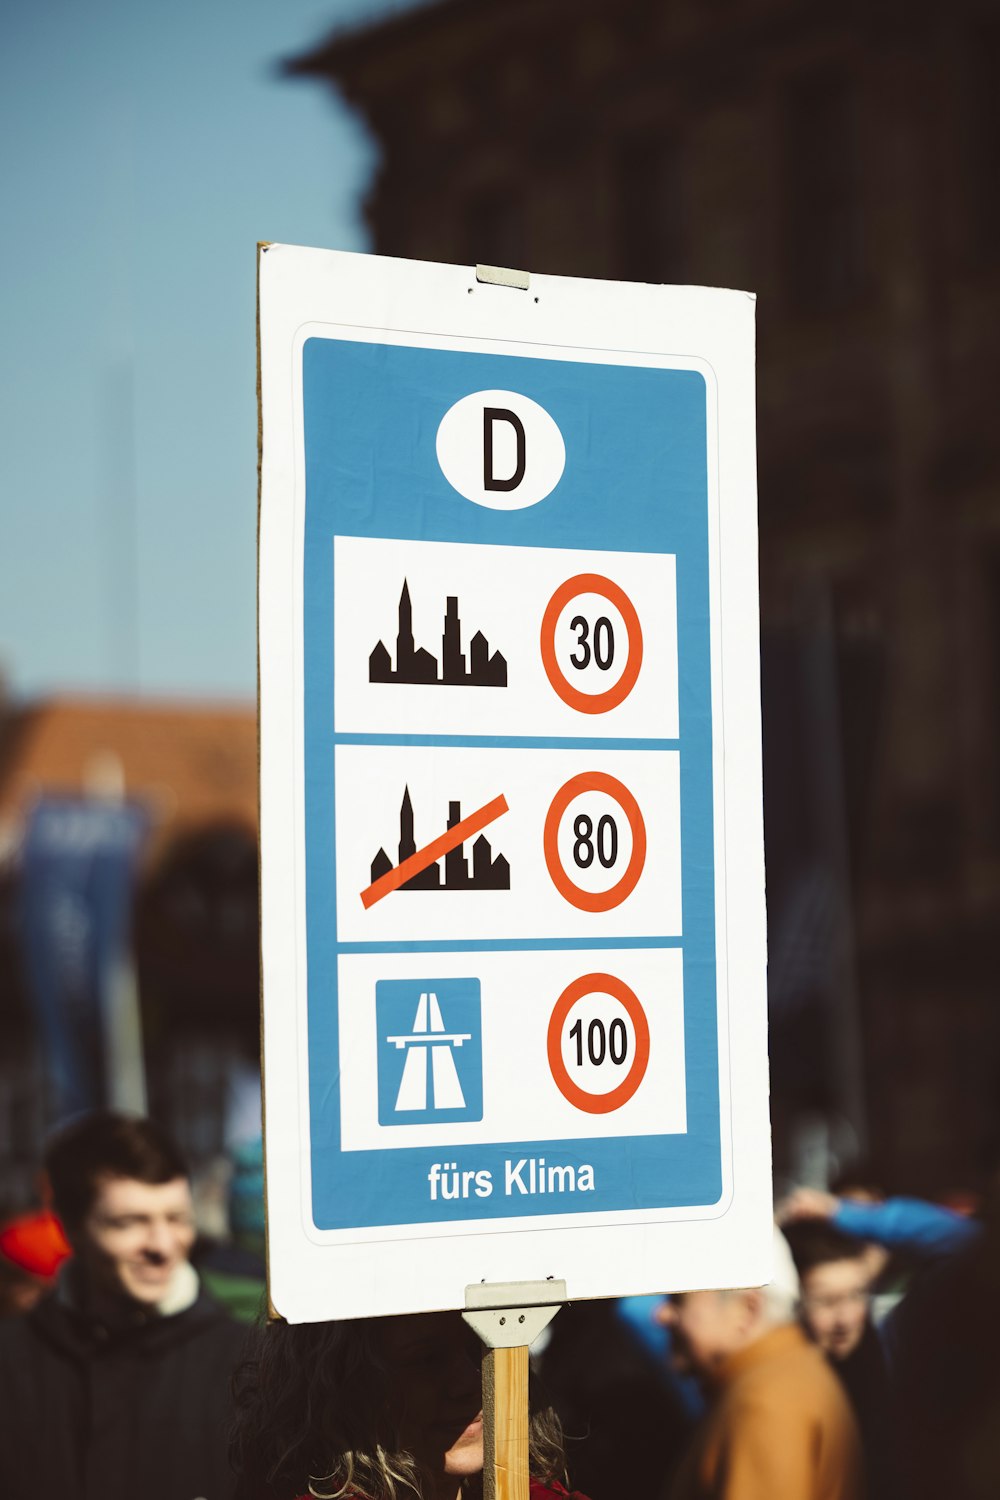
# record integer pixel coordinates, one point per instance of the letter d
(493, 414)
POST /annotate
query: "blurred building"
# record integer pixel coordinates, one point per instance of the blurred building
(193, 768)
(841, 161)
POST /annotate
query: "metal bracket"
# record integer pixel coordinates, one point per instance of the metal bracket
(506, 1314)
(501, 276)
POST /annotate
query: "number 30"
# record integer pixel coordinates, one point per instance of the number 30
(604, 642)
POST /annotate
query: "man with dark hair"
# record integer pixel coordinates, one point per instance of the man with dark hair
(835, 1273)
(118, 1384)
(101, 1146)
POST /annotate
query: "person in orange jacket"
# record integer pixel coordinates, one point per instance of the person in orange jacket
(778, 1426)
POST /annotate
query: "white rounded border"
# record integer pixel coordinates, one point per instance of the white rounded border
(317, 1275)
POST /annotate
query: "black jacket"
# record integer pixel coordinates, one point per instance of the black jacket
(138, 1411)
(865, 1378)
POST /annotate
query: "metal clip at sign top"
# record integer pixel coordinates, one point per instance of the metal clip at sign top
(506, 1314)
(502, 276)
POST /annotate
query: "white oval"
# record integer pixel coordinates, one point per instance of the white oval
(509, 460)
(591, 656)
(597, 842)
(580, 1054)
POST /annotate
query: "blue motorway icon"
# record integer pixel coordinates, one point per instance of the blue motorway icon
(430, 1051)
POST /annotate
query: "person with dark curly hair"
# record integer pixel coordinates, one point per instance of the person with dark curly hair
(372, 1409)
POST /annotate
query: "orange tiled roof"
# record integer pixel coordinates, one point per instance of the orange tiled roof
(193, 763)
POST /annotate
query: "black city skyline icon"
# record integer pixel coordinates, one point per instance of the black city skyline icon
(487, 873)
(417, 665)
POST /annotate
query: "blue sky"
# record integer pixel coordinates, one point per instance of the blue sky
(145, 150)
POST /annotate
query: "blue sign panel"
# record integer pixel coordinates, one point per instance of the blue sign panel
(508, 755)
(430, 1060)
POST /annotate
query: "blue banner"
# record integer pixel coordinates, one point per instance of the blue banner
(77, 870)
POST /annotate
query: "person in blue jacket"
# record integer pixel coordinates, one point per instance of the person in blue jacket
(842, 1244)
(895, 1223)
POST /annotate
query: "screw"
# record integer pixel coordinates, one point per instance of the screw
(502, 1322)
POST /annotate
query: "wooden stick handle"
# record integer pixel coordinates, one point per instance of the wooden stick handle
(505, 1424)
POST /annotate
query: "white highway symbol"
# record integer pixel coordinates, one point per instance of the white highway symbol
(429, 1035)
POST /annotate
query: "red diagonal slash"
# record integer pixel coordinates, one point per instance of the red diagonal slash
(450, 839)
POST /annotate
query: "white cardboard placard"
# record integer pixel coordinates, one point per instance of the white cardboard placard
(513, 937)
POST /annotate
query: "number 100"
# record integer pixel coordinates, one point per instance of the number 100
(612, 1042)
